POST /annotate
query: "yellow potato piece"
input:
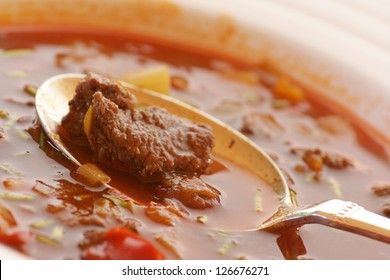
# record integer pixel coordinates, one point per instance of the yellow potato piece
(88, 120)
(156, 79)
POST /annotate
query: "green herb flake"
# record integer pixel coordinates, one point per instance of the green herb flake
(16, 196)
(310, 177)
(17, 73)
(293, 195)
(258, 201)
(224, 233)
(225, 248)
(9, 169)
(251, 98)
(58, 233)
(228, 107)
(334, 184)
(16, 52)
(42, 140)
(41, 224)
(22, 134)
(47, 240)
(201, 219)
(280, 103)
(127, 204)
(22, 153)
(10, 122)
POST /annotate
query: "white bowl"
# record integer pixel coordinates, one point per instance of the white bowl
(338, 50)
(337, 57)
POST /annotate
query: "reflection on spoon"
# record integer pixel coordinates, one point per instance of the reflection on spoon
(52, 104)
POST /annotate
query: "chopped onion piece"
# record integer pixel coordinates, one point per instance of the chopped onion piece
(22, 153)
(47, 240)
(168, 240)
(334, 184)
(224, 233)
(22, 134)
(58, 233)
(127, 204)
(10, 169)
(258, 201)
(201, 219)
(42, 224)
(226, 247)
(16, 52)
(16, 196)
(17, 73)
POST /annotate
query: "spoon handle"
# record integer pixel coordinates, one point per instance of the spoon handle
(347, 216)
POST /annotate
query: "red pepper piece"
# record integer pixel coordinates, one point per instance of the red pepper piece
(122, 244)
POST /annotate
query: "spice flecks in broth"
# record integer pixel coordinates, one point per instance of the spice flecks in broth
(233, 93)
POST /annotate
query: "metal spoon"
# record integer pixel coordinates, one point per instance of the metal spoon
(51, 103)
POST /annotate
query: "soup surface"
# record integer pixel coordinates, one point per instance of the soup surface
(50, 215)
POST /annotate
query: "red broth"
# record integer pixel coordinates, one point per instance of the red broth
(244, 97)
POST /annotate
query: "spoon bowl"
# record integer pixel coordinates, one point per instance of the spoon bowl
(51, 103)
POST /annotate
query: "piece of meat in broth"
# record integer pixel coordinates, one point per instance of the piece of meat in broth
(149, 142)
(73, 122)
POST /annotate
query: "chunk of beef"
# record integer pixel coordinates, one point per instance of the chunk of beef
(166, 213)
(263, 124)
(315, 159)
(147, 143)
(191, 191)
(381, 189)
(336, 161)
(386, 207)
(74, 205)
(73, 122)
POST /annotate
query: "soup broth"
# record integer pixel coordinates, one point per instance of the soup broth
(323, 155)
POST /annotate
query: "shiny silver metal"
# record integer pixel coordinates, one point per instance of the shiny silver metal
(335, 213)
